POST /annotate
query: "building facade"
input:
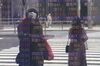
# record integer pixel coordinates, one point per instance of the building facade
(11, 10)
(60, 9)
(96, 11)
(14, 9)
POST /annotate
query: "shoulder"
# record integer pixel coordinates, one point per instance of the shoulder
(72, 29)
(22, 22)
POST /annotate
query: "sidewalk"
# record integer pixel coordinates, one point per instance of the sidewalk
(51, 28)
(96, 28)
(11, 31)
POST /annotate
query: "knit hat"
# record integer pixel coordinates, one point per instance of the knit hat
(32, 12)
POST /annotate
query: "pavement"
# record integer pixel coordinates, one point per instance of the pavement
(93, 36)
(8, 55)
(9, 46)
(12, 31)
(54, 27)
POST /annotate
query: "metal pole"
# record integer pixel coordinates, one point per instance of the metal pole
(45, 27)
(1, 25)
(90, 22)
(79, 7)
(12, 18)
(62, 24)
(24, 6)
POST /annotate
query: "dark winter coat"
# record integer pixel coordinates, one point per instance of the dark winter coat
(77, 52)
(31, 43)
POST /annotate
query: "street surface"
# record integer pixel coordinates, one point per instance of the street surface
(57, 40)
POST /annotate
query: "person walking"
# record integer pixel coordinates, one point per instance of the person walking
(77, 51)
(49, 20)
(31, 41)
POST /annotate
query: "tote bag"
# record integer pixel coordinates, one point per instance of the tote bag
(48, 54)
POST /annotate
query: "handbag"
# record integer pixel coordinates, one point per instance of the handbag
(48, 54)
(67, 46)
(18, 58)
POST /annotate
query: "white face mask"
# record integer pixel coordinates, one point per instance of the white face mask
(32, 15)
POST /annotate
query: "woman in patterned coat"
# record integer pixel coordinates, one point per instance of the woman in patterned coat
(77, 51)
(31, 41)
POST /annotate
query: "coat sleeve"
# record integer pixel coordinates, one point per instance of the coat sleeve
(70, 35)
(84, 36)
(37, 33)
(19, 31)
(23, 29)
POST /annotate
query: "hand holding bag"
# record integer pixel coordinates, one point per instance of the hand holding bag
(67, 46)
(18, 58)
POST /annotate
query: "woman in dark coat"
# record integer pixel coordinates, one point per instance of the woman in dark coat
(31, 41)
(78, 37)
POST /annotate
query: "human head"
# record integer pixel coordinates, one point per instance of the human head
(32, 13)
(76, 22)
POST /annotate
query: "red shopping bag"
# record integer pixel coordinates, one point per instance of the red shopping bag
(48, 54)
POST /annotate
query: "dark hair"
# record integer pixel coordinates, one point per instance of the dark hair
(76, 22)
(31, 10)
